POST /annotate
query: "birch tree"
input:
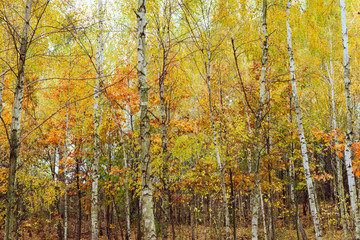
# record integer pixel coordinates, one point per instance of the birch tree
(163, 33)
(67, 149)
(145, 135)
(221, 165)
(202, 34)
(339, 170)
(2, 78)
(127, 195)
(304, 153)
(256, 153)
(349, 121)
(339, 187)
(2, 87)
(97, 123)
(16, 124)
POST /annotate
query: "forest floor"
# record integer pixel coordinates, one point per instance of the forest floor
(183, 232)
(284, 230)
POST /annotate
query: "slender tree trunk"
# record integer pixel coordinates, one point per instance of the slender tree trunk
(79, 198)
(256, 154)
(221, 168)
(203, 207)
(2, 87)
(339, 172)
(349, 122)
(118, 220)
(97, 123)
(218, 157)
(166, 197)
(172, 219)
(263, 215)
(15, 126)
(310, 186)
(127, 195)
(292, 176)
(233, 203)
(145, 135)
(108, 222)
(60, 230)
(271, 228)
(192, 218)
(299, 227)
(241, 213)
(66, 150)
(126, 172)
(109, 208)
(165, 45)
(139, 220)
(302, 230)
(271, 213)
(2, 80)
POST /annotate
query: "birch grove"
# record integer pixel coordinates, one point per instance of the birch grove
(206, 119)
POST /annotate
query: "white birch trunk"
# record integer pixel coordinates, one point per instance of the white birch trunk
(263, 215)
(2, 82)
(256, 155)
(309, 182)
(339, 172)
(97, 123)
(292, 186)
(66, 150)
(66, 155)
(127, 196)
(15, 125)
(349, 121)
(164, 50)
(221, 168)
(145, 128)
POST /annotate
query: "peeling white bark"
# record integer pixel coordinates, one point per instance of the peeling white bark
(97, 123)
(2, 82)
(145, 134)
(349, 121)
(309, 182)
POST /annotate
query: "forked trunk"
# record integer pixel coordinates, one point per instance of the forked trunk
(256, 153)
